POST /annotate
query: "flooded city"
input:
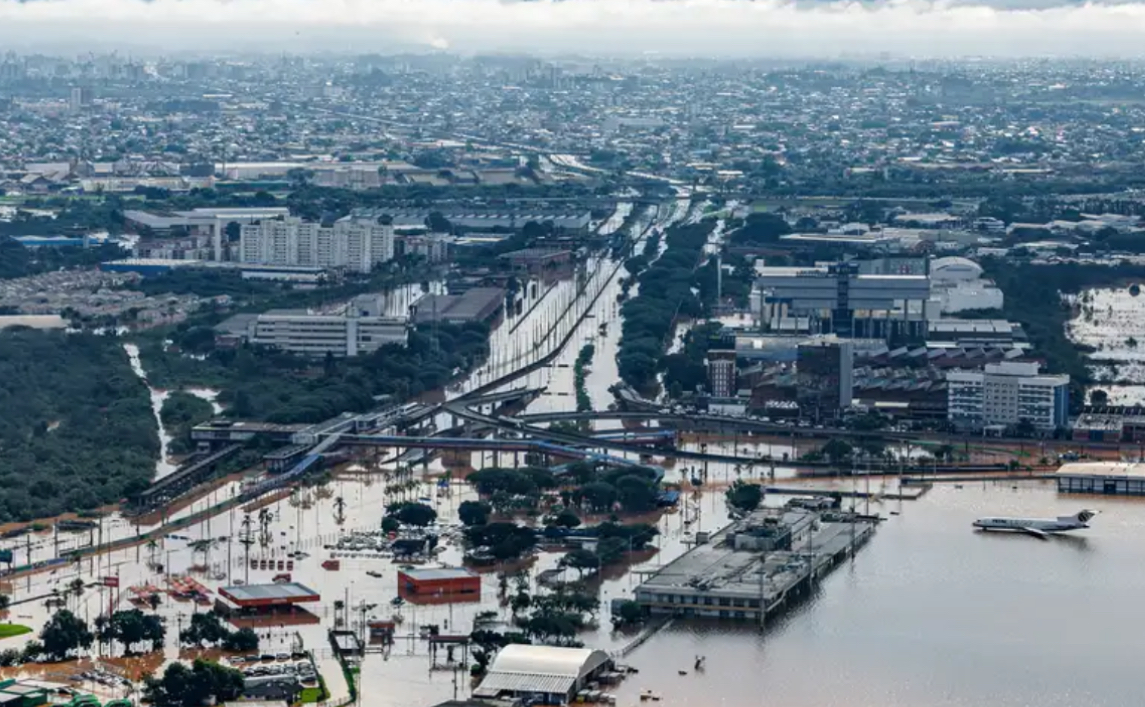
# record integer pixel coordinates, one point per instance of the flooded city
(929, 613)
(378, 361)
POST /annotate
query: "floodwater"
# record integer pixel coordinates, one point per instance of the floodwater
(930, 613)
(163, 466)
(1112, 320)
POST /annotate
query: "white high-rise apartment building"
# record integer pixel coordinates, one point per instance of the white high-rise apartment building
(1005, 394)
(356, 245)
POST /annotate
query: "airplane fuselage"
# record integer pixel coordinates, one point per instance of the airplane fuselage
(1024, 525)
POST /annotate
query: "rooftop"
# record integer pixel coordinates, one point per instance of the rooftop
(287, 592)
(717, 568)
(520, 668)
(473, 305)
(438, 573)
(1124, 470)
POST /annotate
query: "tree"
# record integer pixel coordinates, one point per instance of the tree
(130, 628)
(581, 560)
(505, 541)
(1098, 398)
(473, 512)
(412, 513)
(598, 495)
(520, 602)
(437, 223)
(205, 627)
(761, 228)
(637, 493)
(566, 519)
(63, 634)
(244, 640)
(743, 496)
(181, 686)
(836, 450)
(5, 602)
(628, 613)
(611, 550)
(76, 589)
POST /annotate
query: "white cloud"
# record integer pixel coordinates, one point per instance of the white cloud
(667, 27)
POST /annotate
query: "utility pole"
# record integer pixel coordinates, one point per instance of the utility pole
(246, 541)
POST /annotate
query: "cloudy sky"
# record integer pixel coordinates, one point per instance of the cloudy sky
(767, 28)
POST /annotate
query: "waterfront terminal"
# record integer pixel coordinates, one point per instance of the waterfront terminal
(759, 565)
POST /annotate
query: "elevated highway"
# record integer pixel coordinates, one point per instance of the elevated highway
(460, 408)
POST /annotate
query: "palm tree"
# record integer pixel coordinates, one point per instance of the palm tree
(203, 546)
(75, 588)
(152, 548)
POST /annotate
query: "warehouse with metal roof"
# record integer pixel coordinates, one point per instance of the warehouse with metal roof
(551, 673)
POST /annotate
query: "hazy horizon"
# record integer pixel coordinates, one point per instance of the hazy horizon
(716, 28)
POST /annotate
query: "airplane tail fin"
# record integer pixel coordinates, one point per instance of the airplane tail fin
(1083, 516)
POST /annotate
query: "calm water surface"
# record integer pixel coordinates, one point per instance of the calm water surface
(933, 613)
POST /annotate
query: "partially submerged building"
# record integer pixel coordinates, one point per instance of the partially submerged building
(549, 675)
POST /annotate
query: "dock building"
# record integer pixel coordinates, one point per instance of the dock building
(1107, 478)
(755, 567)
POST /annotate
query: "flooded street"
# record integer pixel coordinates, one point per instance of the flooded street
(929, 614)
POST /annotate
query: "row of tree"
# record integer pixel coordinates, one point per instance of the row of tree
(280, 387)
(667, 291)
(590, 487)
(206, 629)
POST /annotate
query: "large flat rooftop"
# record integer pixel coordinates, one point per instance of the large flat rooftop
(1120, 470)
(716, 569)
(475, 305)
(268, 594)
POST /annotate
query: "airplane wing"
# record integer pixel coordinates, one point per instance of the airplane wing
(1035, 532)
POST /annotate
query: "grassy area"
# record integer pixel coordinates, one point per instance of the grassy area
(311, 695)
(10, 630)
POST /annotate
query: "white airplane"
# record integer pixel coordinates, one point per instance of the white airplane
(1038, 527)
